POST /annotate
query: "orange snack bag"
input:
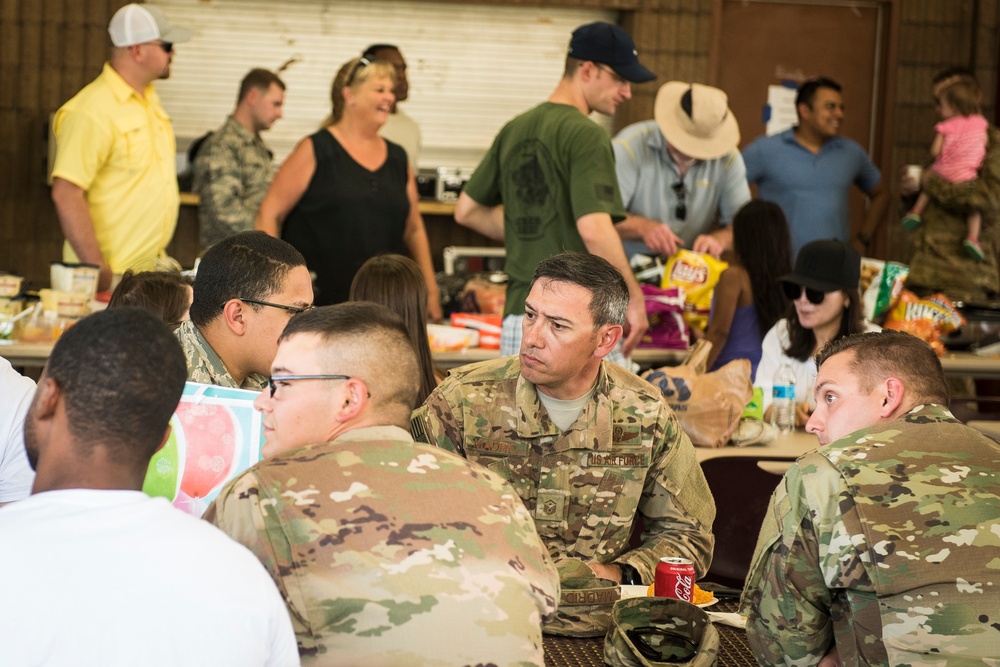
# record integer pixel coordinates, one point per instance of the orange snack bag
(927, 319)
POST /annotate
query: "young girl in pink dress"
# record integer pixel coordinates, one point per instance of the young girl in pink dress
(958, 148)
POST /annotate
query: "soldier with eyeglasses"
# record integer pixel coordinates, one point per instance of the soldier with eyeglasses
(247, 288)
(387, 551)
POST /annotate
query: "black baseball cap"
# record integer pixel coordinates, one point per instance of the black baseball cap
(608, 44)
(827, 266)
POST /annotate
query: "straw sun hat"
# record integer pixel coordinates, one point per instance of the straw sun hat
(696, 119)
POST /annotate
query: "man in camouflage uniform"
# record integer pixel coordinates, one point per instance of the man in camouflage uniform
(234, 168)
(387, 552)
(882, 545)
(588, 446)
(939, 262)
(247, 288)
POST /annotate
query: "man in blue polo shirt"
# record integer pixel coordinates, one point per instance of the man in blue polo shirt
(809, 169)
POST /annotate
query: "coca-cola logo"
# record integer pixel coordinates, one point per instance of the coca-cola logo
(684, 587)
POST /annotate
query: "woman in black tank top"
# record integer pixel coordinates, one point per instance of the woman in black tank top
(345, 194)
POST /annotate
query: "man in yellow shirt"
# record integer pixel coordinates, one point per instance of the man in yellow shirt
(114, 182)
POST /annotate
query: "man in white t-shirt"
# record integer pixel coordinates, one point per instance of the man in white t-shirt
(95, 572)
(15, 396)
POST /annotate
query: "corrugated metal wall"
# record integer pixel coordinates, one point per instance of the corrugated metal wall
(471, 67)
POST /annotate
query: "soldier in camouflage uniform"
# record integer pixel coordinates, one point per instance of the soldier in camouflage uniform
(588, 446)
(939, 263)
(233, 168)
(883, 546)
(247, 288)
(387, 552)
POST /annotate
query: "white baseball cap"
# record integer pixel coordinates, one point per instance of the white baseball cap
(136, 24)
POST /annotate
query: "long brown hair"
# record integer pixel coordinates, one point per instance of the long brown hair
(764, 249)
(397, 283)
(165, 294)
(353, 73)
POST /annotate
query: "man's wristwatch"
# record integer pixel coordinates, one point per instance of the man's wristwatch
(630, 575)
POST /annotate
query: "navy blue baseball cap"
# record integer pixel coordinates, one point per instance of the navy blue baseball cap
(608, 44)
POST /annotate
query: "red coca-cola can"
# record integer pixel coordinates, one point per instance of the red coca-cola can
(674, 579)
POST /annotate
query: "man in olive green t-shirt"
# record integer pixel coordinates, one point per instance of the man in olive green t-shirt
(548, 183)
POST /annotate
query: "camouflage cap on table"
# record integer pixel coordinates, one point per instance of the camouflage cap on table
(677, 616)
(585, 601)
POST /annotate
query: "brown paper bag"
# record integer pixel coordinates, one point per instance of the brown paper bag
(708, 405)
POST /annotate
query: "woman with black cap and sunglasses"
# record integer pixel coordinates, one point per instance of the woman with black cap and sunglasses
(345, 194)
(825, 305)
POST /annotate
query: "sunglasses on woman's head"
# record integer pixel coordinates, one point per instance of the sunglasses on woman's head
(793, 292)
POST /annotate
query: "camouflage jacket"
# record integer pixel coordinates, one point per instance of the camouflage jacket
(390, 552)
(939, 263)
(624, 456)
(886, 541)
(232, 172)
(205, 366)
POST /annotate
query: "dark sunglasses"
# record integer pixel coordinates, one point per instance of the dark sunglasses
(793, 292)
(662, 645)
(681, 211)
(166, 46)
(361, 64)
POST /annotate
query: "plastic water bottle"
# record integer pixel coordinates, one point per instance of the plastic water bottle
(783, 400)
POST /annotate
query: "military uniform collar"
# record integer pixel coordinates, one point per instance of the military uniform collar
(217, 368)
(593, 424)
(235, 127)
(382, 432)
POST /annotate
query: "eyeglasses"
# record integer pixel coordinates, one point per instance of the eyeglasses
(293, 309)
(662, 645)
(793, 292)
(166, 46)
(615, 76)
(361, 64)
(274, 379)
(681, 211)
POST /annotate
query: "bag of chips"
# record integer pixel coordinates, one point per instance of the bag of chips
(881, 284)
(665, 310)
(697, 273)
(928, 319)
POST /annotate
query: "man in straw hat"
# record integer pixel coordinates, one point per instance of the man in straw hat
(678, 171)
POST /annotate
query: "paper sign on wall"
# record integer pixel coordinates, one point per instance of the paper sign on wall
(779, 114)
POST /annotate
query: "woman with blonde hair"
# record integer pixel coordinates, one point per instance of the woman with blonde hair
(395, 282)
(345, 194)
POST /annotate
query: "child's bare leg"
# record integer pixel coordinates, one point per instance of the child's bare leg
(971, 243)
(912, 219)
(974, 224)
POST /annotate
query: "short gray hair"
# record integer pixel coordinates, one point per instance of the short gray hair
(608, 290)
